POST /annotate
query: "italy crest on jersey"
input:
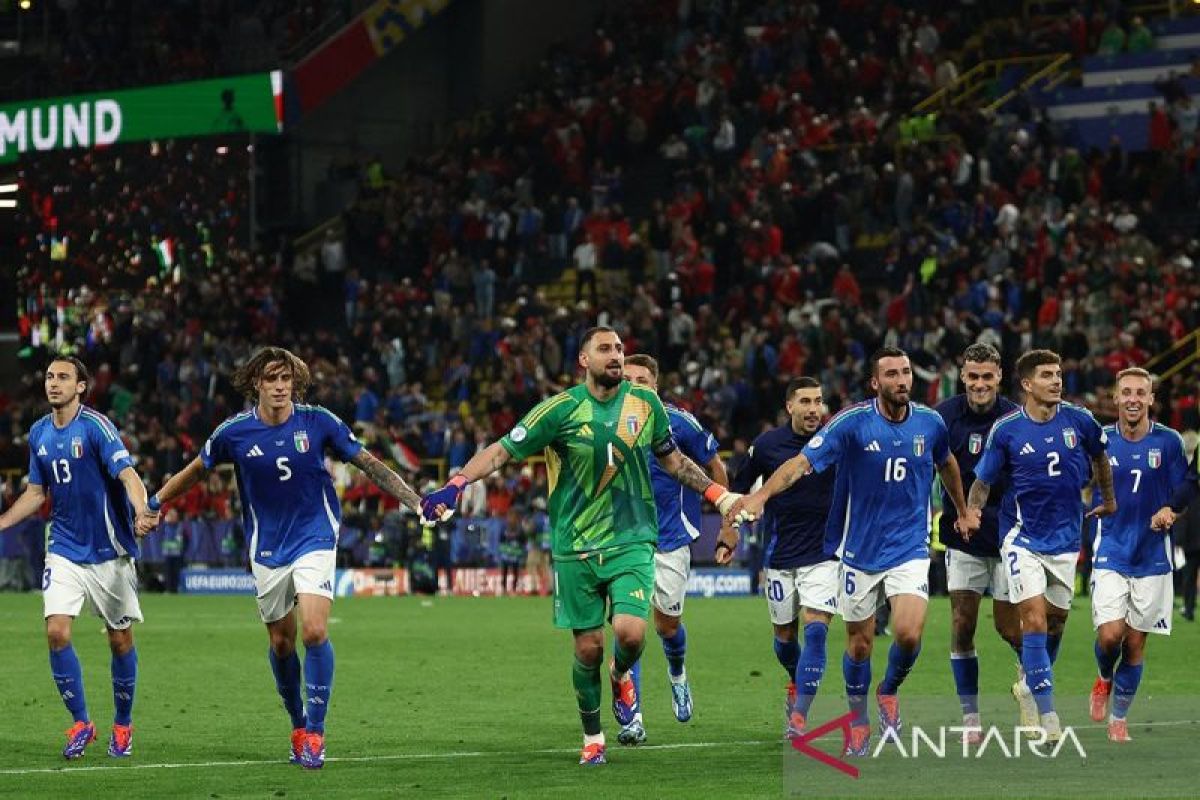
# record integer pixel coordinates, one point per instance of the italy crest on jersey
(975, 444)
(1154, 458)
(301, 440)
(76, 447)
(1069, 437)
(631, 422)
(918, 446)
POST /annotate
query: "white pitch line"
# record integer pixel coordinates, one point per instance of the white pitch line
(396, 757)
(65, 770)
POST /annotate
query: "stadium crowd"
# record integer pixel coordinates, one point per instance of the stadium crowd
(739, 193)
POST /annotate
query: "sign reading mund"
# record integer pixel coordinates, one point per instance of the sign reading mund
(237, 104)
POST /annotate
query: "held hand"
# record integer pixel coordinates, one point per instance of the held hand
(727, 542)
(1163, 519)
(147, 521)
(746, 508)
(968, 523)
(1105, 509)
(439, 506)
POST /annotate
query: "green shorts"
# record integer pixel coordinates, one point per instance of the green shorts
(619, 580)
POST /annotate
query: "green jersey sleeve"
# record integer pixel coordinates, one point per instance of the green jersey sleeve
(538, 428)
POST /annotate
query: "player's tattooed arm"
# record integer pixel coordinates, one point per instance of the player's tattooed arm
(485, 462)
(383, 477)
(1102, 471)
(686, 471)
(788, 473)
(978, 496)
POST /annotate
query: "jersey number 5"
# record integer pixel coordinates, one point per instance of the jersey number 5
(285, 472)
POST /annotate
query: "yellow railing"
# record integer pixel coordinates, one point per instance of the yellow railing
(1178, 356)
(1047, 71)
(978, 77)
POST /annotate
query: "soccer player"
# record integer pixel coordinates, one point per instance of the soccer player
(973, 565)
(292, 516)
(885, 451)
(678, 526)
(597, 438)
(77, 457)
(1132, 594)
(801, 577)
(1049, 449)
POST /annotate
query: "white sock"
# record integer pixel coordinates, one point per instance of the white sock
(680, 678)
(590, 739)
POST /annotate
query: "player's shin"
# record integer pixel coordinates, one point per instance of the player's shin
(1106, 660)
(811, 667)
(586, 680)
(1125, 686)
(858, 683)
(1039, 675)
(68, 677)
(900, 662)
(965, 667)
(788, 654)
(287, 683)
(675, 648)
(318, 683)
(124, 681)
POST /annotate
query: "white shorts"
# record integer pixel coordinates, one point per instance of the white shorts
(970, 573)
(814, 586)
(1146, 604)
(670, 580)
(864, 592)
(277, 587)
(1035, 574)
(109, 588)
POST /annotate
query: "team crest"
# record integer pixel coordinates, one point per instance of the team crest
(631, 423)
(76, 447)
(918, 446)
(1069, 437)
(301, 440)
(1154, 458)
(975, 444)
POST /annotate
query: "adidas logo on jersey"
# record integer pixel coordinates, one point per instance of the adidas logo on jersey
(326, 586)
(873, 447)
(1027, 449)
(254, 451)
(1161, 625)
(42, 450)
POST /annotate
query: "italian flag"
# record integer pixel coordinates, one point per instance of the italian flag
(165, 249)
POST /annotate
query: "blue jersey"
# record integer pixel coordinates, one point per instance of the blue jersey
(968, 431)
(880, 516)
(678, 506)
(1048, 464)
(1145, 475)
(289, 507)
(793, 520)
(77, 466)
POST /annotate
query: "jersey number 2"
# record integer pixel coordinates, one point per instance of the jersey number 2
(1052, 464)
(285, 472)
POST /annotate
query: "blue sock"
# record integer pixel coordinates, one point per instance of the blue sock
(68, 676)
(1053, 641)
(811, 667)
(858, 682)
(1105, 661)
(1125, 685)
(124, 680)
(1039, 675)
(788, 654)
(318, 682)
(900, 663)
(287, 683)
(965, 667)
(635, 672)
(675, 648)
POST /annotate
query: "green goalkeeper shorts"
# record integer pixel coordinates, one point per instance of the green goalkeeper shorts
(619, 580)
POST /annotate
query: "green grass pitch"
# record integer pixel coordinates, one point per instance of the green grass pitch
(471, 697)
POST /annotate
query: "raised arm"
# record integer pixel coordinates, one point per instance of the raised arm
(439, 506)
(29, 502)
(1102, 471)
(386, 479)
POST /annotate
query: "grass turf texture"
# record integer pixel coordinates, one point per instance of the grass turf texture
(472, 698)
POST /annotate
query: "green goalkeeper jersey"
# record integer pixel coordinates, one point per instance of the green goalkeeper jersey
(597, 456)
